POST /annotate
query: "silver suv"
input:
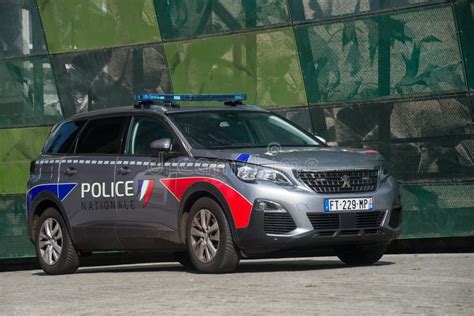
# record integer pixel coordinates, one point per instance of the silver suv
(210, 184)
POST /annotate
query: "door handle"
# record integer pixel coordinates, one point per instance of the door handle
(124, 170)
(70, 171)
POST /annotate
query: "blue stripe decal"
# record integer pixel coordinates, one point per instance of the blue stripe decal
(140, 184)
(61, 190)
(243, 157)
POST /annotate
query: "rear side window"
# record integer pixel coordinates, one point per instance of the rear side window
(63, 137)
(102, 136)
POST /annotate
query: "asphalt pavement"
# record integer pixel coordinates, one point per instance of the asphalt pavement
(412, 284)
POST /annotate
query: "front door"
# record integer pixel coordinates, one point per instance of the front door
(149, 219)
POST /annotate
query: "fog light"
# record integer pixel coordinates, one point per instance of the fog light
(269, 206)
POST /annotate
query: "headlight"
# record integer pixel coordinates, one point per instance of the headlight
(251, 173)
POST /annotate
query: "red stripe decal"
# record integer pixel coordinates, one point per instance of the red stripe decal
(148, 192)
(240, 207)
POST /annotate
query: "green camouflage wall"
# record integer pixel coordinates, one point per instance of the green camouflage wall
(394, 75)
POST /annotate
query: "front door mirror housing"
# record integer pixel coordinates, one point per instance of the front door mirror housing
(160, 145)
(322, 140)
(325, 142)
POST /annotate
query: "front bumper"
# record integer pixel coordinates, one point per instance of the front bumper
(306, 226)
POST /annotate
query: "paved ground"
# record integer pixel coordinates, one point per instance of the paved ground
(428, 284)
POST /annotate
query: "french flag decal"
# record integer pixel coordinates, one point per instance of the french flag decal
(145, 188)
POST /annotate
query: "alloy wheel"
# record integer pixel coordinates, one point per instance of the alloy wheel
(50, 241)
(205, 235)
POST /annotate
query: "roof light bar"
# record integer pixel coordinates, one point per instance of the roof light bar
(189, 97)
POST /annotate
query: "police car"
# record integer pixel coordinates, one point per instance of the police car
(212, 185)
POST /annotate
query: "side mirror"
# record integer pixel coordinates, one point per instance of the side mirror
(160, 145)
(322, 140)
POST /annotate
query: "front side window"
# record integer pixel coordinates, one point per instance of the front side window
(63, 137)
(102, 136)
(239, 129)
(144, 131)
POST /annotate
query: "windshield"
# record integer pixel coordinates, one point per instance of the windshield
(239, 129)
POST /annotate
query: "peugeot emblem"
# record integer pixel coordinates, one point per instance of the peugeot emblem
(345, 181)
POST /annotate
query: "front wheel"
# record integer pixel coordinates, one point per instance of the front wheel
(209, 239)
(361, 255)
(54, 248)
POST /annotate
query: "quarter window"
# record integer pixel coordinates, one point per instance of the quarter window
(102, 136)
(63, 138)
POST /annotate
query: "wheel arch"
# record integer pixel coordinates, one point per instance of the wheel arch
(194, 193)
(40, 204)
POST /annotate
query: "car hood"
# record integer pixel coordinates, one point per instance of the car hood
(300, 158)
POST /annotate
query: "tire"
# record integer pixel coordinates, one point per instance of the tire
(210, 252)
(184, 260)
(55, 251)
(361, 255)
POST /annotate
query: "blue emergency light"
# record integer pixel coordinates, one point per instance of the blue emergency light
(172, 98)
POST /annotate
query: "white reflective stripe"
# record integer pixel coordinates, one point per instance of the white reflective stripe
(167, 164)
(144, 189)
(69, 161)
(139, 163)
(132, 163)
(146, 163)
(94, 162)
(100, 162)
(75, 161)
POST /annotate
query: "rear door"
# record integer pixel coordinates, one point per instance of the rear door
(90, 206)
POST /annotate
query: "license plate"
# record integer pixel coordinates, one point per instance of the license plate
(355, 204)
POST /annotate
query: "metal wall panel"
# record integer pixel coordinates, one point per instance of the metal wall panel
(18, 147)
(13, 237)
(180, 19)
(88, 24)
(108, 78)
(20, 29)
(317, 10)
(394, 55)
(263, 65)
(28, 93)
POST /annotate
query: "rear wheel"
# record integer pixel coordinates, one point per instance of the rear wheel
(209, 239)
(361, 255)
(54, 248)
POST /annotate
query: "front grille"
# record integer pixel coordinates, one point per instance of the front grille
(346, 221)
(349, 232)
(395, 218)
(368, 219)
(278, 223)
(340, 181)
(324, 221)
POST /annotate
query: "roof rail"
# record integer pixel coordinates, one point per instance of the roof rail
(146, 99)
